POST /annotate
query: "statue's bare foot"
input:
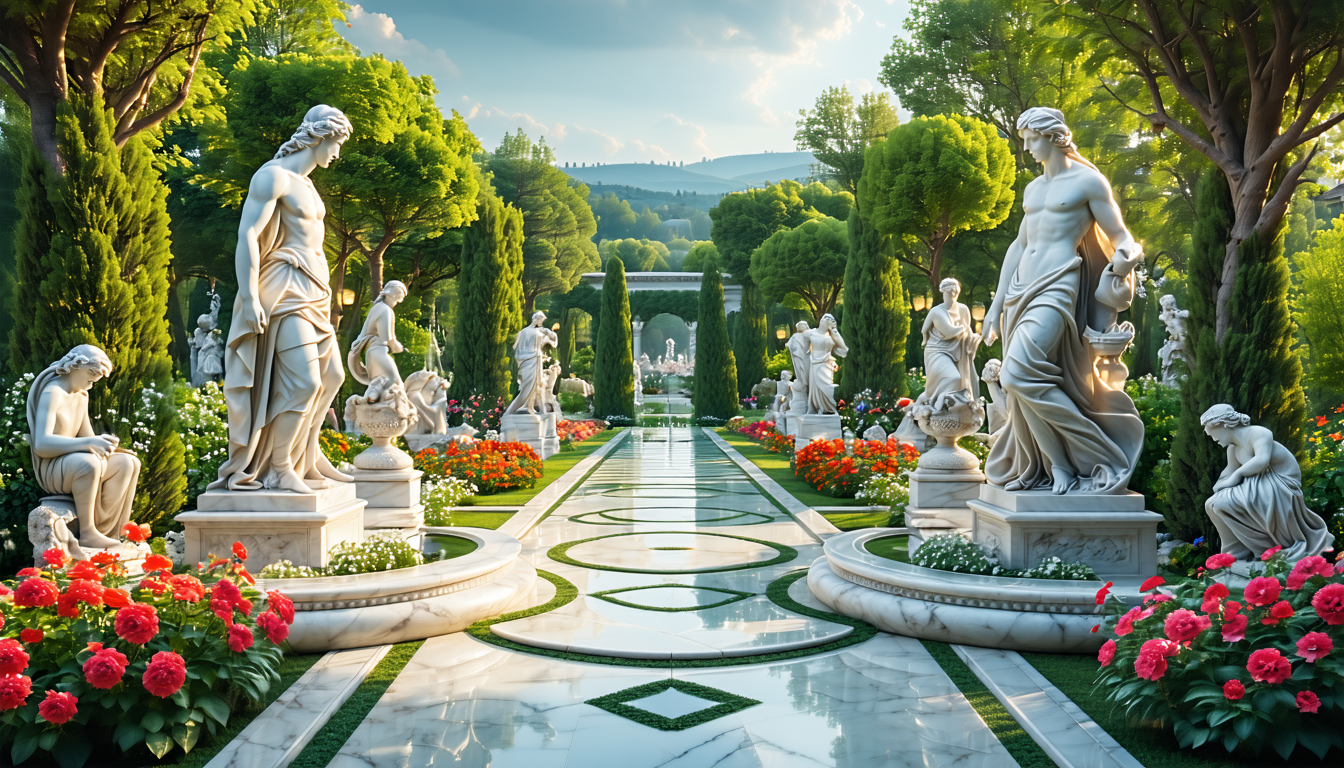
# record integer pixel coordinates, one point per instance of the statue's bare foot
(96, 540)
(325, 469)
(1064, 480)
(288, 480)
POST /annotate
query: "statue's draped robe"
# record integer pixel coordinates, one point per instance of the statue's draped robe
(1267, 510)
(821, 379)
(527, 350)
(258, 386)
(950, 367)
(1054, 388)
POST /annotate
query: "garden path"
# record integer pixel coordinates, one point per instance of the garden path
(672, 550)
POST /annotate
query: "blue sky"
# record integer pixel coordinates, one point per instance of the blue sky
(633, 81)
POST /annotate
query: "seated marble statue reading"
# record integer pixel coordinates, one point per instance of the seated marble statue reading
(949, 351)
(282, 364)
(1257, 501)
(70, 458)
(1064, 278)
(529, 349)
(378, 339)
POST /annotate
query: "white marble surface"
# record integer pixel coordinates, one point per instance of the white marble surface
(671, 703)
(276, 736)
(672, 552)
(531, 513)
(883, 703)
(1060, 727)
(673, 596)
(815, 523)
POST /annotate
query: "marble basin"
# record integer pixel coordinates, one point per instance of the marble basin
(988, 611)
(336, 612)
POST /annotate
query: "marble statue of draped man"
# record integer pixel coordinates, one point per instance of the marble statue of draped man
(282, 363)
(1070, 269)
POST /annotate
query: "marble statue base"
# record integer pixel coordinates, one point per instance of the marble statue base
(938, 500)
(54, 524)
(1113, 533)
(274, 525)
(815, 425)
(550, 425)
(393, 500)
(527, 428)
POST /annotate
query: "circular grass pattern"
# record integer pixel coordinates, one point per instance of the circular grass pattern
(648, 491)
(609, 517)
(559, 554)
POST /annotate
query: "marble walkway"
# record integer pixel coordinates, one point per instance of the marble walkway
(672, 549)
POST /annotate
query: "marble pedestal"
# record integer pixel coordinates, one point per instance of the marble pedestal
(815, 425)
(1110, 532)
(524, 428)
(938, 500)
(550, 440)
(274, 525)
(393, 500)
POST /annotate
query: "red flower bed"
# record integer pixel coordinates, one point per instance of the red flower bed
(87, 662)
(829, 468)
(765, 433)
(490, 465)
(1245, 669)
(757, 430)
(576, 431)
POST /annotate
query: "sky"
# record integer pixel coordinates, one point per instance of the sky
(617, 81)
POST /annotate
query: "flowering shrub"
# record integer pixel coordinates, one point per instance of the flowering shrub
(477, 411)
(956, 553)
(756, 430)
(777, 443)
(576, 431)
(85, 658)
(1248, 668)
(827, 466)
(1323, 471)
(887, 490)
(203, 420)
(869, 408)
(377, 552)
(339, 447)
(19, 491)
(440, 495)
(489, 465)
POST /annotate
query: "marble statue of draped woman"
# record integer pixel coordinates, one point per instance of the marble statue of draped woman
(824, 345)
(949, 349)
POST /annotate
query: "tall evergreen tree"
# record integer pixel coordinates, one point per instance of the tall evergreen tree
(750, 331)
(489, 300)
(876, 320)
(614, 362)
(715, 394)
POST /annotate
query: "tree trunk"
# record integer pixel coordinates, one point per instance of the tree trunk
(43, 117)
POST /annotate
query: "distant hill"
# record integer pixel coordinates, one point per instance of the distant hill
(639, 198)
(734, 166)
(775, 175)
(712, 177)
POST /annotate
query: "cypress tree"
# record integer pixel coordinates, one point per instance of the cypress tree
(489, 300)
(716, 392)
(1254, 370)
(876, 321)
(32, 244)
(613, 363)
(749, 338)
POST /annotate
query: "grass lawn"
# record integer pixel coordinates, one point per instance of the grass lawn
(776, 465)
(891, 547)
(552, 469)
(852, 521)
(1152, 746)
(751, 416)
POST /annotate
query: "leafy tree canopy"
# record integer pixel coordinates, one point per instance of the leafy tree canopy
(837, 131)
(808, 260)
(636, 255)
(743, 220)
(1321, 301)
(701, 256)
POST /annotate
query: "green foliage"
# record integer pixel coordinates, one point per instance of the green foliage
(572, 402)
(932, 178)
(650, 304)
(1323, 470)
(614, 365)
(876, 320)
(716, 385)
(837, 132)
(297, 26)
(701, 257)
(1159, 406)
(557, 223)
(19, 491)
(1321, 305)
(637, 255)
(956, 553)
(781, 361)
(808, 260)
(749, 338)
(489, 300)
(583, 363)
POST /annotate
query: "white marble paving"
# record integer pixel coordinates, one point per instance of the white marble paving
(672, 596)
(671, 703)
(672, 552)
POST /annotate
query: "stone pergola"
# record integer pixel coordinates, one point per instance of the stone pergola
(668, 281)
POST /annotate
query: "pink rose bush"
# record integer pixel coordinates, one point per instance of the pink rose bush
(1243, 668)
(87, 655)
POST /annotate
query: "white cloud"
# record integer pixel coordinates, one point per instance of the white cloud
(377, 33)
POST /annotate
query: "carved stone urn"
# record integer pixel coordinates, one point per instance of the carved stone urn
(383, 413)
(947, 426)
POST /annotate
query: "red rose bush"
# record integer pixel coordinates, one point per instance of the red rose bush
(88, 659)
(1244, 668)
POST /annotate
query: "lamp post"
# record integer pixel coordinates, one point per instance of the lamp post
(919, 302)
(978, 314)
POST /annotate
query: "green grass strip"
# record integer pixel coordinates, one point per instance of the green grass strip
(891, 547)
(558, 554)
(778, 593)
(465, 518)
(606, 594)
(343, 723)
(615, 703)
(853, 521)
(1022, 747)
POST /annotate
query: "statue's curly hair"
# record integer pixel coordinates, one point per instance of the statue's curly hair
(1223, 415)
(321, 122)
(84, 356)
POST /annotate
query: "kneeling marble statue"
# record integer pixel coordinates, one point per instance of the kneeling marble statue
(70, 458)
(1257, 502)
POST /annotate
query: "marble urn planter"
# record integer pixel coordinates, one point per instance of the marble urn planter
(337, 612)
(988, 611)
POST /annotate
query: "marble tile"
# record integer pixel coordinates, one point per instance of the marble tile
(672, 597)
(1060, 727)
(532, 512)
(276, 736)
(671, 703)
(671, 552)
(815, 523)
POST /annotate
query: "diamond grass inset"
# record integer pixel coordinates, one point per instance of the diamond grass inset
(728, 703)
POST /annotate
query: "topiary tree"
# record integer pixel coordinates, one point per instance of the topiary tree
(1321, 269)
(715, 394)
(614, 365)
(808, 260)
(876, 320)
(489, 300)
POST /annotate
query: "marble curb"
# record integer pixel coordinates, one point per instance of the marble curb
(812, 521)
(1059, 726)
(276, 736)
(531, 513)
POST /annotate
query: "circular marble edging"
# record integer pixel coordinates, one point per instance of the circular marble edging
(558, 553)
(989, 611)
(334, 612)
(612, 519)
